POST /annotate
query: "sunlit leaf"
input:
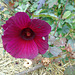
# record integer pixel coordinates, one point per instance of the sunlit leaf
(46, 15)
(74, 21)
(16, 4)
(37, 11)
(66, 14)
(34, 6)
(70, 7)
(22, 8)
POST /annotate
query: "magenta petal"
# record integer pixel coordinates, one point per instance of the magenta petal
(8, 23)
(42, 45)
(22, 19)
(6, 39)
(40, 27)
(12, 31)
(46, 38)
(19, 48)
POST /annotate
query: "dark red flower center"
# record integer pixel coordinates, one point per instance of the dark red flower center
(27, 34)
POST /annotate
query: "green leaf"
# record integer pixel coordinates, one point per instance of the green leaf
(51, 3)
(55, 51)
(37, 11)
(66, 14)
(34, 6)
(4, 51)
(61, 23)
(66, 59)
(22, 8)
(69, 21)
(71, 42)
(63, 60)
(70, 70)
(1, 23)
(46, 15)
(65, 29)
(70, 7)
(16, 4)
(73, 21)
(6, 12)
(47, 55)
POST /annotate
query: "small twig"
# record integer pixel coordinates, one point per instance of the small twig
(60, 17)
(67, 34)
(7, 6)
(30, 70)
(29, 12)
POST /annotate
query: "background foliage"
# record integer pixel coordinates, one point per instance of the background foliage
(60, 14)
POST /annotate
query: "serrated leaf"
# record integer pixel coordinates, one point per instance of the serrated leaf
(70, 70)
(66, 14)
(55, 51)
(47, 55)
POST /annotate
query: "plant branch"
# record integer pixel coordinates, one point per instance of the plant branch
(30, 70)
(60, 17)
(7, 6)
(29, 12)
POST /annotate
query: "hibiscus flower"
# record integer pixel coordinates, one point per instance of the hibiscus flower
(22, 37)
